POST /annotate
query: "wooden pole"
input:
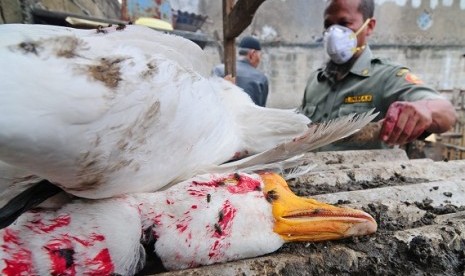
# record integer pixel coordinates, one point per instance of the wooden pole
(124, 10)
(236, 17)
(228, 43)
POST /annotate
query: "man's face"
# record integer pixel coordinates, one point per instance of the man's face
(345, 13)
(255, 57)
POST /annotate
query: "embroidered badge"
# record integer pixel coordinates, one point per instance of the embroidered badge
(359, 99)
(413, 79)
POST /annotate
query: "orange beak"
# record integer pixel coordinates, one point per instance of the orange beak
(305, 219)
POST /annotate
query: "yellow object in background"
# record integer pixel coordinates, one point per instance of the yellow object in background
(154, 23)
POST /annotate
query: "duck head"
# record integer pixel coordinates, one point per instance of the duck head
(305, 219)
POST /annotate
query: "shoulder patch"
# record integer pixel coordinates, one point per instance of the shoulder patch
(413, 78)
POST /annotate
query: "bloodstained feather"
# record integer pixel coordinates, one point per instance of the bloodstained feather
(244, 185)
(20, 261)
(92, 239)
(196, 193)
(101, 264)
(42, 225)
(225, 225)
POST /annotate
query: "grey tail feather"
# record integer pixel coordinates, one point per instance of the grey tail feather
(26, 200)
(317, 135)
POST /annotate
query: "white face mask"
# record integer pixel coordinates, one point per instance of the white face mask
(341, 42)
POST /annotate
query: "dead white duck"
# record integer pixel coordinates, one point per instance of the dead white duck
(105, 112)
(204, 220)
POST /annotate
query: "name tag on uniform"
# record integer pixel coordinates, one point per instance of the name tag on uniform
(359, 99)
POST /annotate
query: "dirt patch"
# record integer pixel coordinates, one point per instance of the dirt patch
(306, 189)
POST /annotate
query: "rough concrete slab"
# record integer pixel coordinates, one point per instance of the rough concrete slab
(405, 171)
(438, 193)
(355, 156)
(267, 265)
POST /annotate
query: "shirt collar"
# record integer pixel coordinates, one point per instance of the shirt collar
(244, 60)
(362, 65)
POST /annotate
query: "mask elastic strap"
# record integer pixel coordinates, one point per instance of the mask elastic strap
(356, 49)
(363, 26)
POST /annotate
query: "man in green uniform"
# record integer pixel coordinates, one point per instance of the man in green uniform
(353, 81)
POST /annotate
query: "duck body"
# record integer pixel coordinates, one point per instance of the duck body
(108, 112)
(208, 219)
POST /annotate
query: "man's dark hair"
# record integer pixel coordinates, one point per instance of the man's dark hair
(243, 51)
(367, 8)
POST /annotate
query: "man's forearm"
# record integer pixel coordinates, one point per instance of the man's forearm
(443, 115)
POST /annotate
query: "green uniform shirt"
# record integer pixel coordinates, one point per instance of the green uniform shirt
(370, 83)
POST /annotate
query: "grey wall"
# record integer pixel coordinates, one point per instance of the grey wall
(427, 35)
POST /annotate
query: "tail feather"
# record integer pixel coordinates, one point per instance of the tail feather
(318, 135)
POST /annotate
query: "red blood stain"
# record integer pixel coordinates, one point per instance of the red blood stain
(245, 184)
(183, 223)
(43, 225)
(157, 219)
(194, 206)
(19, 264)
(169, 202)
(390, 120)
(211, 183)
(10, 236)
(229, 212)
(61, 254)
(181, 227)
(214, 249)
(19, 260)
(93, 239)
(140, 207)
(196, 193)
(101, 264)
(237, 155)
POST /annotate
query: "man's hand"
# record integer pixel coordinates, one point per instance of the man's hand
(405, 121)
